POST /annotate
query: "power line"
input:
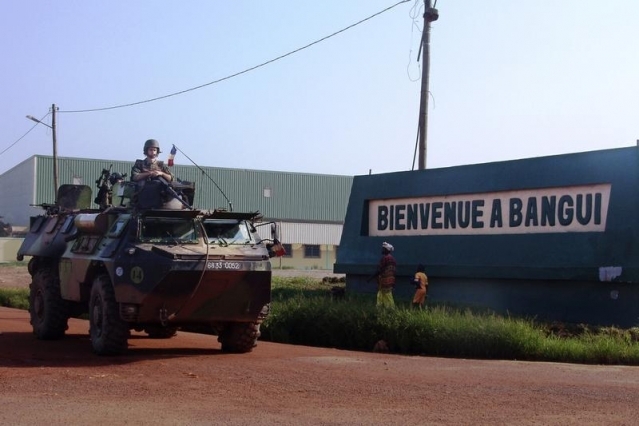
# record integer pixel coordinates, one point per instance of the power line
(241, 72)
(21, 137)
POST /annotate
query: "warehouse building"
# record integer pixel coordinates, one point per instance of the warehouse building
(309, 209)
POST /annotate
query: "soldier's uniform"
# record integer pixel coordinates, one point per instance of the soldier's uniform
(145, 165)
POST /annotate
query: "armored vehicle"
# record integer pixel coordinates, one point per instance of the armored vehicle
(146, 261)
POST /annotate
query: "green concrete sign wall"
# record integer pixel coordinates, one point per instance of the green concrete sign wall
(565, 219)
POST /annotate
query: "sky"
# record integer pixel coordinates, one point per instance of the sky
(509, 79)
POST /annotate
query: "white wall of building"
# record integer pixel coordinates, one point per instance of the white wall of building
(17, 193)
(305, 233)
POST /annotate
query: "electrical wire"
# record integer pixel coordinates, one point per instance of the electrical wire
(240, 72)
(414, 15)
(416, 145)
(20, 138)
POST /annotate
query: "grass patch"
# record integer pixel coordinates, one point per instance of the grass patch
(303, 312)
(13, 263)
(14, 298)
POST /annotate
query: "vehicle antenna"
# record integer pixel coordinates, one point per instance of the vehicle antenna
(210, 178)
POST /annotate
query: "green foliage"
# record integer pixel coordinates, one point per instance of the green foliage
(12, 264)
(14, 298)
(304, 312)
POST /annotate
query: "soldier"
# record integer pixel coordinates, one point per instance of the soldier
(150, 167)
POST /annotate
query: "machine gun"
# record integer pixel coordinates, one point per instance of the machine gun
(105, 185)
(173, 193)
(158, 193)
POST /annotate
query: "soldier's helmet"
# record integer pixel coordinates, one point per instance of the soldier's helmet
(151, 143)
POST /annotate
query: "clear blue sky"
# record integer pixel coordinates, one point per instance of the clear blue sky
(509, 79)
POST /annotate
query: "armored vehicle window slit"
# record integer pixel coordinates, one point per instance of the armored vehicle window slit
(168, 231)
(36, 224)
(228, 232)
(68, 225)
(51, 225)
(118, 226)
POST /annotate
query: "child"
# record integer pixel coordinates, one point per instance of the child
(421, 286)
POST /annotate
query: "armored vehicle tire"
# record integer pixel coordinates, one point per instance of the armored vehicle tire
(109, 333)
(239, 337)
(49, 312)
(159, 332)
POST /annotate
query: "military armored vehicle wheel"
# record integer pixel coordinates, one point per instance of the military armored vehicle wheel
(49, 312)
(239, 337)
(109, 333)
(159, 332)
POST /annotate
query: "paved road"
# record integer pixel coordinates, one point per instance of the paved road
(188, 380)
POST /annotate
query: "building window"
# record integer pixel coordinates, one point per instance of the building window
(77, 180)
(289, 250)
(267, 192)
(312, 250)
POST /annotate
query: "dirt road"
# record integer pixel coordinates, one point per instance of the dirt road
(187, 380)
(18, 276)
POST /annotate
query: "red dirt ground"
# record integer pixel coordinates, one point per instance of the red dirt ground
(14, 276)
(188, 380)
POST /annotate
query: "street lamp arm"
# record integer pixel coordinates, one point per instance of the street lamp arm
(32, 118)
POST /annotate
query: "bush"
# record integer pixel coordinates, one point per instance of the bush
(303, 312)
(14, 298)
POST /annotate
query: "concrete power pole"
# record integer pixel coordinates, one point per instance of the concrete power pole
(430, 15)
(55, 154)
(55, 149)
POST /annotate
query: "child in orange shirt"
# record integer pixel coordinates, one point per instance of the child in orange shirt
(421, 286)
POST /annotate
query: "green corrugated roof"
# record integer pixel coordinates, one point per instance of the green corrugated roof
(294, 196)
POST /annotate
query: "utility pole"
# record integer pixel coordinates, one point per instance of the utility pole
(55, 154)
(430, 14)
(55, 149)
